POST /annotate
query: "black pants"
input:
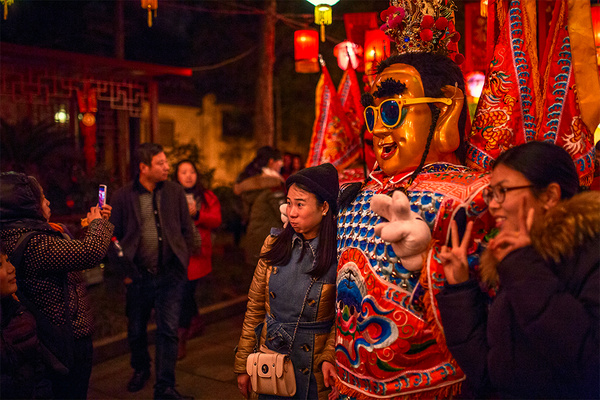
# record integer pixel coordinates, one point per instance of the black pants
(189, 308)
(75, 385)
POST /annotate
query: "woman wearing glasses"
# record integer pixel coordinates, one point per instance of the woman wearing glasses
(539, 336)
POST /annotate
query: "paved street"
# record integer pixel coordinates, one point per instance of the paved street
(206, 372)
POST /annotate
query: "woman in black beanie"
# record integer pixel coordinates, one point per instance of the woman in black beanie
(291, 303)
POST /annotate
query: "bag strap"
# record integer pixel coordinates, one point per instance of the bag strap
(16, 258)
(312, 281)
(17, 254)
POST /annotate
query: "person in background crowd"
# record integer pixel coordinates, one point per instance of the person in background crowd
(47, 267)
(23, 374)
(286, 169)
(262, 190)
(205, 210)
(296, 163)
(539, 338)
(152, 223)
(297, 267)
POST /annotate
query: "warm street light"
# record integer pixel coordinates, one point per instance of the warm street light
(323, 13)
(377, 47)
(306, 51)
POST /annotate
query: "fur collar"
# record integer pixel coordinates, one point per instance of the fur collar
(558, 234)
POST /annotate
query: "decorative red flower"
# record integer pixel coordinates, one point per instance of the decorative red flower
(426, 35)
(384, 14)
(427, 21)
(384, 27)
(399, 11)
(395, 22)
(455, 37)
(459, 58)
(441, 23)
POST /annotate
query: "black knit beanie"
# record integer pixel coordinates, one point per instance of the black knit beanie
(322, 180)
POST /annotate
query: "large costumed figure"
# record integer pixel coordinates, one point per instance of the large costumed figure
(389, 341)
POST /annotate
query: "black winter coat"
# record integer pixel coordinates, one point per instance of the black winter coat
(177, 226)
(539, 338)
(23, 374)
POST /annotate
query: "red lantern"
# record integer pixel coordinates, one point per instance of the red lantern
(347, 53)
(306, 51)
(377, 48)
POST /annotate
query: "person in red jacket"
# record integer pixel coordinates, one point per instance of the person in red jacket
(205, 210)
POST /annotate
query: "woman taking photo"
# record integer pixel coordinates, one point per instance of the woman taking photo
(48, 275)
(539, 338)
(205, 210)
(291, 302)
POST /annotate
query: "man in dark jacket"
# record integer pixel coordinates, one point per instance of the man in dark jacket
(153, 225)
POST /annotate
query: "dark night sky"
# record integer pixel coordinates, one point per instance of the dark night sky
(192, 34)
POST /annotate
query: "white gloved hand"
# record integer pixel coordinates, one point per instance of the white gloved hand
(283, 211)
(406, 231)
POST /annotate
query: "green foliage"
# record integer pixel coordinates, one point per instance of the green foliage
(48, 152)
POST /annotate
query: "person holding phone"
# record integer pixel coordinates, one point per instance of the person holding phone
(48, 275)
(205, 210)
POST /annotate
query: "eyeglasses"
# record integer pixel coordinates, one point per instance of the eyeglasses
(390, 110)
(498, 193)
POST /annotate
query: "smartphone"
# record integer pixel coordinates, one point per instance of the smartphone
(101, 195)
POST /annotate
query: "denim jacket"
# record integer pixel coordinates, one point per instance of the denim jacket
(275, 300)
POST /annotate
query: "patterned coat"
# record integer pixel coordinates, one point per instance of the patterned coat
(389, 341)
(47, 261)
(49, 257)
(275, 297)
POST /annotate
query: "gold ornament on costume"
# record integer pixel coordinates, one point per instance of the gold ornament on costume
(422, 26)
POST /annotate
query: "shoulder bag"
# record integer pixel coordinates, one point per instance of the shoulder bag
(271, 372)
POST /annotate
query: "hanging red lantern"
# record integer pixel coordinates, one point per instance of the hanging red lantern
(306, 51)
(150, 5)
(377, 48)
(347, 53)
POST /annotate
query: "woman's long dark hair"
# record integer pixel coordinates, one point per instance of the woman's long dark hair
(198, 189)
(263, 155)
(542, 163)
(281, 250)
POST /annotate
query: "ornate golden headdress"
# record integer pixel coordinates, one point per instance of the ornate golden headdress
(422, 26)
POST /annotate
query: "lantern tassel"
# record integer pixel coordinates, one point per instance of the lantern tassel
(322, 32)
(483, 8)
(149, 17)
(5, 9)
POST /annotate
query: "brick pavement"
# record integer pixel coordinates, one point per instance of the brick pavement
(206, 372)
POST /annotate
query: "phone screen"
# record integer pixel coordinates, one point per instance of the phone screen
(102, 195)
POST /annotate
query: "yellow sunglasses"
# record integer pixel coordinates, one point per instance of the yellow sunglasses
(390, 110)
